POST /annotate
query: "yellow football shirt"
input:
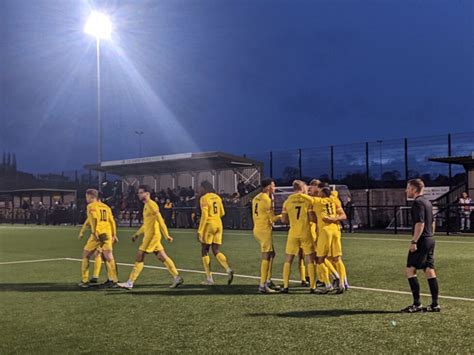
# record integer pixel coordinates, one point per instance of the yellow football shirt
(153, 222)
(101, 218)
(212, 210)
(297, 207)
(326, 207)
(262, 212)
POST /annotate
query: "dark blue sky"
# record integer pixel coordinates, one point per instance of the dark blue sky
(234, 75)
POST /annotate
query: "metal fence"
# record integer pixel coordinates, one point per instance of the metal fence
(383, 163)
(379, 164)
(450, 219)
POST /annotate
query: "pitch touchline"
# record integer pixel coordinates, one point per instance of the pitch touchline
(236, 275)
(293, 281)
(231, 232)
(30, 261)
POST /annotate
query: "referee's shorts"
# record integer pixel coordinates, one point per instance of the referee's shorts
(423, 257)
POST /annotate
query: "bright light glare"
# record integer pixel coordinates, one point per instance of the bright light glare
(98, 25)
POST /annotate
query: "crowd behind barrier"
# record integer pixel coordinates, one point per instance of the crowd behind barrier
(185, 213)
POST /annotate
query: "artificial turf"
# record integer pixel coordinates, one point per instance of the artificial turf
(43, 311)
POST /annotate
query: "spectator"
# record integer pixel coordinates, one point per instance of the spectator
(465, 209)
(168, 212)
(241, 188)
(348, 209)
(181, 218)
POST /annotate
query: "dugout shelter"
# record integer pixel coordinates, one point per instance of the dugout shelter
(161, 172)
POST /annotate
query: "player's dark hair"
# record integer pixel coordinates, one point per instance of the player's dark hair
(322, 185)
(145, 188)
(418, 184)
(92, 192)
(207, 186)
(326, 191)
(267, 182)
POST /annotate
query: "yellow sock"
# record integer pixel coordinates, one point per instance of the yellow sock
(97, 266)
(341, 269)
(331, 268)
(312, 275)
(286, 274)
(323, 273)
(222, 260)
(264, 272)
(270, 268)
(111, 270)
(206, 262)
(85, 270)
(302, 270)
(171, 267)
(136, 271)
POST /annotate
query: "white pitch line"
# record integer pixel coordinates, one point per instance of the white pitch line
(405, 240)
(235, 233)
(29, 261)
(293, 281)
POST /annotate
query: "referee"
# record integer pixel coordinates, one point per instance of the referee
(421, 253)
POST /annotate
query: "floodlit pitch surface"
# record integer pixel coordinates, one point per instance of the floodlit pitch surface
(44, 311)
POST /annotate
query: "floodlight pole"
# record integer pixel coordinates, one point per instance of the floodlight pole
(99, 117)
(139, 134)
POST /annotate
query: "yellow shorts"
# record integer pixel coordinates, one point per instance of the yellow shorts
(293, 245)
(336, 246)
(151, 244)
(212, 234)
(265, 239)
(325, 240)
(103, 242)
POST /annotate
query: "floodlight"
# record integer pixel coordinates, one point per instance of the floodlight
(98, 25)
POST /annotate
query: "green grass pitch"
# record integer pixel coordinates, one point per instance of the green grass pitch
(42, 310)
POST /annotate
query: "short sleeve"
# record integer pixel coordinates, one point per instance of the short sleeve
(418, 212)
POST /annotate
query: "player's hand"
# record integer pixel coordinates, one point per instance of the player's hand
(80, 236)
(95, 237)
(134, 238)
(413, 248)
(115, 239)
(198, 236)
(170, 239)
(329, 220)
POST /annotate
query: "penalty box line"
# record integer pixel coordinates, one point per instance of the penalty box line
(281, 280)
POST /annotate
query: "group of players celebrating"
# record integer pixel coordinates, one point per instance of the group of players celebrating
(312, 212)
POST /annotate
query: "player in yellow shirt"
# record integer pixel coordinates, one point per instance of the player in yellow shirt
(314, 187)
(298, 213)
(152, 229)
(329, 213)
(263, 217)
(210, 231)
(103, 235)
(97, 257)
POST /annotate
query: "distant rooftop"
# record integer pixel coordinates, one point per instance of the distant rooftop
(174, 163)
(465, 160)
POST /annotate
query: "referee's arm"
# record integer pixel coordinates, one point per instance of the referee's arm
(419, 220)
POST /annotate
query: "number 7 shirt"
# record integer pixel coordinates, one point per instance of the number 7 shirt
(297, 206)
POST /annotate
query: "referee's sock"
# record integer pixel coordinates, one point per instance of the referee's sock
(415, 290)
(433, 283)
